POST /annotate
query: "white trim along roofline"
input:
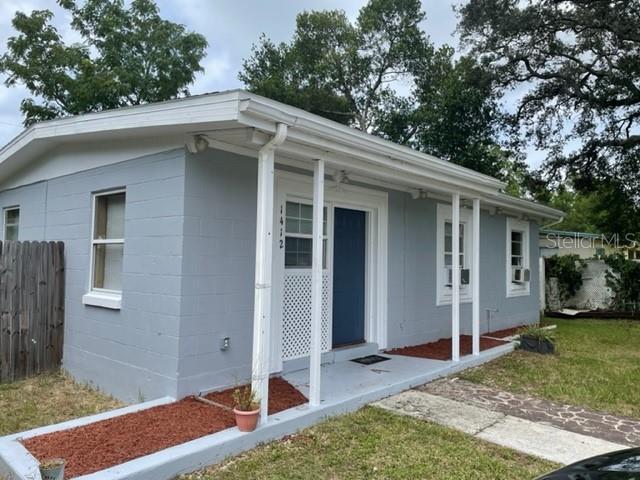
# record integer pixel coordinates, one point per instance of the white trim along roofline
(308, 133)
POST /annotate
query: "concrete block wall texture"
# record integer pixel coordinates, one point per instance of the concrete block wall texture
(218, 270)
(130, 353)
(413, 315)
(188, 272)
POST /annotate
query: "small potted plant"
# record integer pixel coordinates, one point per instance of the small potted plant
(52, 469)
(537, 339)
(246, 409)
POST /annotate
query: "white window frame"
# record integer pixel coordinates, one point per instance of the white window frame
(5, 224)
(524, 288)
(444, 291)
(101, 297)
(309, 236)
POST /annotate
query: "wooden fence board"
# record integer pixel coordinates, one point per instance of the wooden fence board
(31, 308)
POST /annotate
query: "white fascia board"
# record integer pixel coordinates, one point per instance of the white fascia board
(260, 107)
(197, 110)
(526, 206)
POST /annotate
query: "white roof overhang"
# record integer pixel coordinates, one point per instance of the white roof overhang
(241, 121)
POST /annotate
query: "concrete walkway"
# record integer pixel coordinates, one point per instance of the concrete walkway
(533, 438)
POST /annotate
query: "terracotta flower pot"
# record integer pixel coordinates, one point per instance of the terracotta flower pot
(247, 421)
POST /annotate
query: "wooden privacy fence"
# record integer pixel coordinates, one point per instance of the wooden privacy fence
(31, 308)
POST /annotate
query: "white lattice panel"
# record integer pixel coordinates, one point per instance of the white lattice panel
(296, 318)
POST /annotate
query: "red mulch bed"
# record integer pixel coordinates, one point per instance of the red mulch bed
(441, 349)
(507, 332)
(117, 440)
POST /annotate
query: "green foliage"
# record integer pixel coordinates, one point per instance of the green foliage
(376, 444)
(245, 399)
(624, 280)
(596, 367)
(578, 63)
(350, 73)
(605, 208)
(537, 332)
(568, 270)
(128, 56)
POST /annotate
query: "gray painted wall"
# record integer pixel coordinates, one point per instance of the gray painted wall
(413, 316)
(218, 275)
(188, 272)
(131, 353)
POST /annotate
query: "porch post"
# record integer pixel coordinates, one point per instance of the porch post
(264, 261)
(315, 357)
(455, 277)
(475, 278)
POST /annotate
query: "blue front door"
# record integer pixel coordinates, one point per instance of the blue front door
(348, 276)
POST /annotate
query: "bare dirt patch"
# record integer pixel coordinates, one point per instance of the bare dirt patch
(441, 349)
(106, 443)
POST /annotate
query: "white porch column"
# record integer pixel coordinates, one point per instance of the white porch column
(264, 261)
(475, 278)
(315, 356)
(455, 277)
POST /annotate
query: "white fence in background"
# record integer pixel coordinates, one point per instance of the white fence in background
(593, 295)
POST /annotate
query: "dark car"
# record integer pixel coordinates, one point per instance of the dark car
(620, 465)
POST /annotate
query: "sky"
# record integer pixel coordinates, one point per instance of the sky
(230, 26)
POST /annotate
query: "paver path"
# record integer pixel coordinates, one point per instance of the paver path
(612, 428)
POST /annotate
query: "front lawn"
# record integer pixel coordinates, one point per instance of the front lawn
(46, 399)
(597, 365)
(377, 444)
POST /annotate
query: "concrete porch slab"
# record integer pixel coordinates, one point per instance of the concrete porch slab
(346, 386)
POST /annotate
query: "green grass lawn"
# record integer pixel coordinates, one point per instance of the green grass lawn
(597, 365)
(46, 399)
(376, 444)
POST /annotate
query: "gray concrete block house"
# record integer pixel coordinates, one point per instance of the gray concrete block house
(189, 225)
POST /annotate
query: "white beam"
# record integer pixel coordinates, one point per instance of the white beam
(316, 285)
(475, 278)
(455, 274)
(263, 272)
(542, 279)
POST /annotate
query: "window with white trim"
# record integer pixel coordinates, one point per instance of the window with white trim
(11, 224)
(299, 235)
(108, 242)
(444, 252)
(448, 248)
(517, 255)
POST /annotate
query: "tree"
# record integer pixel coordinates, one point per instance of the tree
(339, 70)
(605, 209)
(352, 73)
(128, 56)
(579, 63)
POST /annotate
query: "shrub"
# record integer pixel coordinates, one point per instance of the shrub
(568, 270)
(245, 399)
(538, 333)
(623, 278)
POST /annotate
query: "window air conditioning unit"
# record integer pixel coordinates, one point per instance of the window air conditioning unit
(448, 275)
(520, 275)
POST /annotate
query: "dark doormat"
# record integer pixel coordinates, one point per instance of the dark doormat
(370, 359)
